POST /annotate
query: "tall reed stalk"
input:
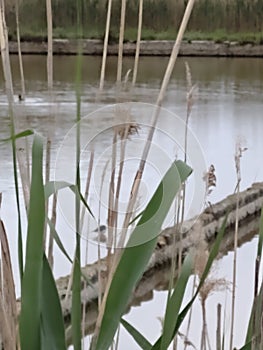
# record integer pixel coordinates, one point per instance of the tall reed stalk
(76, 279)
(48, 145)
(10, 98)
(8, 308)
(105, 46)
(138, 43)
(121, 38)
(218, 327)
(23, 89)
(238, 155)
(139, 173)
(49, 46)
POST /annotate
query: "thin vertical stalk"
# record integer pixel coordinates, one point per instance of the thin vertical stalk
(49, 45)
(51, 240)
(91, 162)
(205, 343)
(218, 328)
(118, 187)
(76, 286)
(138, 43)
(139, 173)
(190, 312)
(10, 98)
(121, 38)
(105, 47)
(166, 79)
(188, 113)
(23, 90)
(50, 89)
(111, 219)
(203, 335)
(238, 156)
(234, 272)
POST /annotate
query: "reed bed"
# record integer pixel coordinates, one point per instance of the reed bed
(159, 16)
(40, 322)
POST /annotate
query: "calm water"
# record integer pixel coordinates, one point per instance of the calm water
(227, 109)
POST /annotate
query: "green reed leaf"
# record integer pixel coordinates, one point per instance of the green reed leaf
(52, 323)
(137, 254)
(19, 135)
(137, 336)
(32, 280)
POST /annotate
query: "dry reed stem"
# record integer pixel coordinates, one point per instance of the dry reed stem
(8, 310)
(124, 130)
(25, 181)
(138, 176)
(100, 289)
(238, 155)
(111, 217)
(218, 328)
(138, 42)
(51, 240)
(121, 38)
(210, 286)
(189, 104)
(50, 91)
(50, 45)
(15, 155)
(23, 90)
(105, 46)
(86, 195)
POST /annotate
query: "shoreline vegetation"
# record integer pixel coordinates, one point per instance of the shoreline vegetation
(233, 20)
(225, 28)
(147, 48)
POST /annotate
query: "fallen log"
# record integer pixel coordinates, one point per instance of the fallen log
(201, 228)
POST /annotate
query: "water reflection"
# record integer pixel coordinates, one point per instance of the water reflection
(157, 280)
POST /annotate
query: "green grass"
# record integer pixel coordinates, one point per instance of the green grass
(219, 36)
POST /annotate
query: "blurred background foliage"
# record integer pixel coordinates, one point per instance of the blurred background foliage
(161, 18)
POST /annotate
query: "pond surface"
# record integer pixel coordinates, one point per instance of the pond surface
(227, 110)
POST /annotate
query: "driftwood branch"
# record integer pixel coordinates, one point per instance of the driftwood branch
(203, 227)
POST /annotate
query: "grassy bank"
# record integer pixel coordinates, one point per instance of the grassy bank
(218, 36)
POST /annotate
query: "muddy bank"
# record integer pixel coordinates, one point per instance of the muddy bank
(148, 48)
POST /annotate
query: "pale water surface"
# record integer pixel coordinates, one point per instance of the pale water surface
(227, 109)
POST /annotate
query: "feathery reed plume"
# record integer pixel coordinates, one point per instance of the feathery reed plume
(210, 180)
(138, 43)
(105, 46)
(121, 38)
(238, 155)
